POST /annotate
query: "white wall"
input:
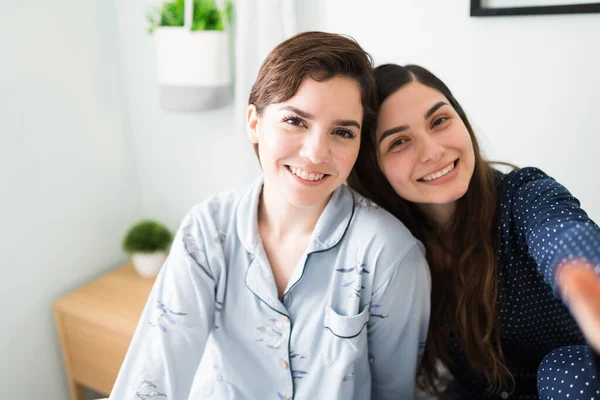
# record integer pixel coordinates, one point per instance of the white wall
(181, 158)
(68, 188)
(530, 85)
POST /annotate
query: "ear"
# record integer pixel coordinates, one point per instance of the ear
(252, 123)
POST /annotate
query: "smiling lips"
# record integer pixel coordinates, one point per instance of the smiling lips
(438, 174)
(307, 176)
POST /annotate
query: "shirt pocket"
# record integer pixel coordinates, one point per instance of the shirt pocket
(345, 337)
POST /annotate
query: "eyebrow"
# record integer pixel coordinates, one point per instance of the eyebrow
(433, 109)
(392, 131)
(401, 128)
(301, 113)
(304, 114)
(346, 122)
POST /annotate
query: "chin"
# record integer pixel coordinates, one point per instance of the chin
(452, 197)
(437, 197)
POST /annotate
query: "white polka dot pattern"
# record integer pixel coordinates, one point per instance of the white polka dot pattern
(569, 373)
(540, 226)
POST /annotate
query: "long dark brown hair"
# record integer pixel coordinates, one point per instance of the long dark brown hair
(464, 281)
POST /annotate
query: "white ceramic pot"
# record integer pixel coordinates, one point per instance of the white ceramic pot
(193, 68)
(148, 264)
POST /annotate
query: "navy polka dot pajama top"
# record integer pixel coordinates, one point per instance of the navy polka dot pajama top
(540, 225)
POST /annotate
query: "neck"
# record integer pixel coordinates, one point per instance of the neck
(281, 220)
(440, 214)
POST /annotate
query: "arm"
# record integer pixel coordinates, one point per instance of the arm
(169, 341)
(550, 222)
(398, 327)
(565, 244)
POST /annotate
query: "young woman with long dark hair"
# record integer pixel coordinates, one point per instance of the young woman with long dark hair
(503, 249)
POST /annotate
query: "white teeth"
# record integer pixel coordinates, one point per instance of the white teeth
(305, 175)
(439, 174)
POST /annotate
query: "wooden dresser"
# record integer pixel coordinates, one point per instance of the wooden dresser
(95, 324)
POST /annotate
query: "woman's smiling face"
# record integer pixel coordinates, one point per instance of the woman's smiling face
(308, 144)
(424, 148)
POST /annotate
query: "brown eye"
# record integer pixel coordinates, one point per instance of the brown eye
(344, 133)
(398, 142)
(440, 121)
(294, 121)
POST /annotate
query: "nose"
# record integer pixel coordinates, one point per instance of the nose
(431, 149)
(315, 147)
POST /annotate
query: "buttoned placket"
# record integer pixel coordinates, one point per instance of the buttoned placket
(259, 277)
(285, 362)
(259, 280)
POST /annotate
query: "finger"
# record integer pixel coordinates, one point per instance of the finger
(583, 296)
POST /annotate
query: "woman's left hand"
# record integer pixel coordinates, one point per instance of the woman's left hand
(580, 286)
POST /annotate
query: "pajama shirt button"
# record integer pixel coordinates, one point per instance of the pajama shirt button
(283, 364)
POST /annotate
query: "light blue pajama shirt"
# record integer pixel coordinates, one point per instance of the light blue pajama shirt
(352, 323)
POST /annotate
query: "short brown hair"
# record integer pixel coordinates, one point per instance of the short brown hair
(320, 56)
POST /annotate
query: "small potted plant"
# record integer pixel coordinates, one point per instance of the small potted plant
(193, 57)
(147, 243)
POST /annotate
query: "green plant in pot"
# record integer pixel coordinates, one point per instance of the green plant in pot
(207, 15)
(147, 243)
(192, 53)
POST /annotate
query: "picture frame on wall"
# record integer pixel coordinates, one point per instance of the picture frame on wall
(493, 8)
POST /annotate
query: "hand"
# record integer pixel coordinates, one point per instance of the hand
(580, 287)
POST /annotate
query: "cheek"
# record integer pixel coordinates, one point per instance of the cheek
(470, 147)
(345, 156)
(396, 169)
(468, 151)
(276, 144)
(462, 139)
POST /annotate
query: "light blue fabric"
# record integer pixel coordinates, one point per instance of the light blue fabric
(352, 323)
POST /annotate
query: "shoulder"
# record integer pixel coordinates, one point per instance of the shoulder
(533, 199)
(528, 177)
(212, 219)
(532, 184)
(220, 206)
(526, 174)
(205, 227)
(370, 218)
(383, 236)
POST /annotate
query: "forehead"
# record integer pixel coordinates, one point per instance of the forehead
(408, 103)
(339, 97)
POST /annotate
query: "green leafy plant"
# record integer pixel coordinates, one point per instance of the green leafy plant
(147, 237)
(207, 16)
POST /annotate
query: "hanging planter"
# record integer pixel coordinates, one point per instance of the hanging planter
(193, 57)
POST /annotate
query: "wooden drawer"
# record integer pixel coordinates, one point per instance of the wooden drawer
(96, 352)
(95, 325)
